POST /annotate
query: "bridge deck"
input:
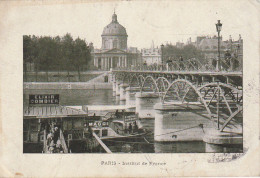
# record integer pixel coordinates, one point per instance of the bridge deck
(210, 73)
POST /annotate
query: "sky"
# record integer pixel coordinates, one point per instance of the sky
(145, 21)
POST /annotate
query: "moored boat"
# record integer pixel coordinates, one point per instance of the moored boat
(127, 130)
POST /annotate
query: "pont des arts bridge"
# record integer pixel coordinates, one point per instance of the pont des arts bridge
(212, 100)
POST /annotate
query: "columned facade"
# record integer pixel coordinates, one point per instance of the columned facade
(107, 61)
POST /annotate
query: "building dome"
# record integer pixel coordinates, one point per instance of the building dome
(114, 28)
(114, 35)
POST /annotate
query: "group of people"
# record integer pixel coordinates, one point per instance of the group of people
(132, 128)
(53, 140)
(87, 131)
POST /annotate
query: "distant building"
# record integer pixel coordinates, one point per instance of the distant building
(179, 45)
(236, 48)
(114, 52)
(151, 55)
(199, 39)
(189, 42)
(134, 56)
(209, 46)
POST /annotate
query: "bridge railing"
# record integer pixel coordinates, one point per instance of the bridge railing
(173, 69)
(191, 65)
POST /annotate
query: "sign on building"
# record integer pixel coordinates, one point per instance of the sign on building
(44, 99)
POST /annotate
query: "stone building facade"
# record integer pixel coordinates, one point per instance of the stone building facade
(209, 46)
(151, 55)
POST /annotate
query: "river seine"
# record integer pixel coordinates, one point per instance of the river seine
(105, 97)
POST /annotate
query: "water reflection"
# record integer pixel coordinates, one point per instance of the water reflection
(179, 147)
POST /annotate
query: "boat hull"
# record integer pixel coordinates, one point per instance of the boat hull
(131, 138)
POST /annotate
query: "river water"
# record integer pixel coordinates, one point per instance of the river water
(105, 97)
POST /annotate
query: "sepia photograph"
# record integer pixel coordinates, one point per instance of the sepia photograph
(129, 88)
(183, 95)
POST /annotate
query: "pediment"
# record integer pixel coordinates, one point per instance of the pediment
(115, 50)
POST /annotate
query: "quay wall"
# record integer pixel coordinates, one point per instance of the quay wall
(56, 76)
(65, 85)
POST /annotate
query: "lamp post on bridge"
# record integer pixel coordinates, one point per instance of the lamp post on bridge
(162, 46)
(218, 28)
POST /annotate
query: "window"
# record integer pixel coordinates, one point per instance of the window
(34, 126)
(69, 124)
(104, 132)
(42, 138)
(106, 44)
(114, 43)
(69, 136)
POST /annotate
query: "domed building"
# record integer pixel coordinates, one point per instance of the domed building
(114, 52)
(114, 35)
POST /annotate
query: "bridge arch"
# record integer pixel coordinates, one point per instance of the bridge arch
(141, 80)
(190, 85)
(162, 84)
(126, 78)
(222, 101)
(120, 76)
(220, 84)
(133, 78)
(152, 82)
(117, 76)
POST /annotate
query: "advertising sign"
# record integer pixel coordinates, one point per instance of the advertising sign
(44, 99)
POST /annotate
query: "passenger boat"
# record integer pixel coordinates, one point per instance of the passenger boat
(128, 130)
(74, 129)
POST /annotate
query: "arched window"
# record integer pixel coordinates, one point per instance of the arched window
(114, 43)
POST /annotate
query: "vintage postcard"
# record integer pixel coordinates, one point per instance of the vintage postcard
(129, 88)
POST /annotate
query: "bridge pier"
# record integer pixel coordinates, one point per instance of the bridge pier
(217, 142)
(130, 95)
(122, 91)
(145, 103)
(176, 122)
(219, 94)
(118, 83)
(114, 86)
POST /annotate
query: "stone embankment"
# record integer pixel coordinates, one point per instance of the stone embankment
(100, 82)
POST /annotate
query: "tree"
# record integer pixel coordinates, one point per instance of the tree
(67, 51)
(80, 54)
(46, 54)
(26, 53)
(57, 58)
(56, 53)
